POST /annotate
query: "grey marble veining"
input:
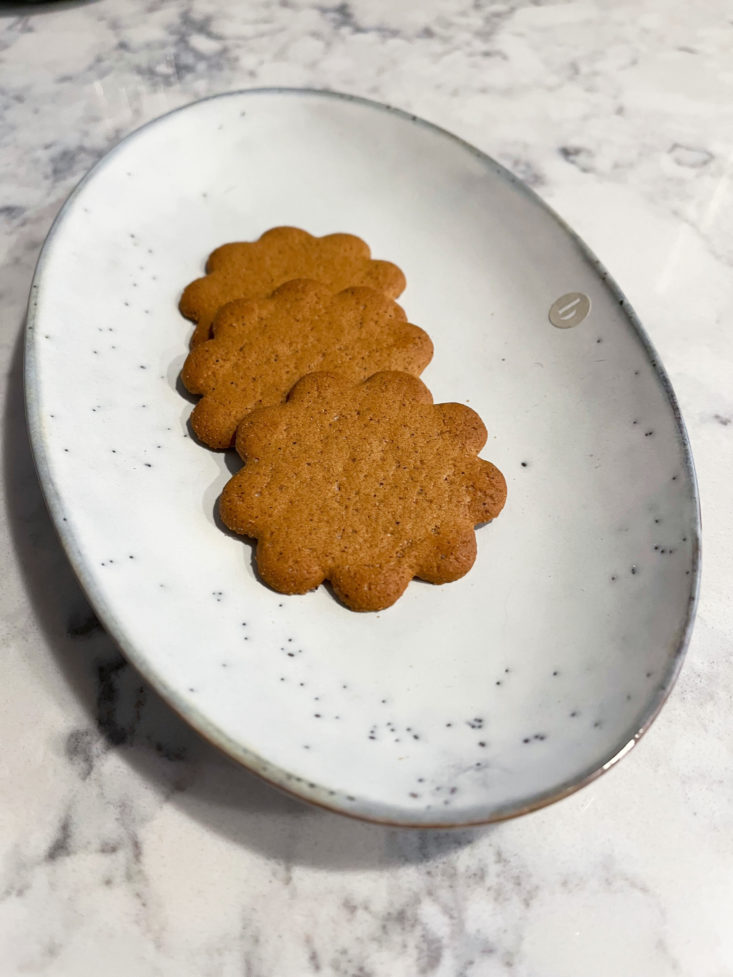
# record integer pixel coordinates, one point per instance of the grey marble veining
(128, 842)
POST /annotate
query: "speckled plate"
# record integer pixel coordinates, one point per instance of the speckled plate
(464, 703)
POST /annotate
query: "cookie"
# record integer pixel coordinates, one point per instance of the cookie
(366, 485)
(262, 347)
(246, 270)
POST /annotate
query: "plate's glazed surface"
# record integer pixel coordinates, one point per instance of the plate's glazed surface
(462, 703)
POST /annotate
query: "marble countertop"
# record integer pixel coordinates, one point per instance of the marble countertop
(128, 845)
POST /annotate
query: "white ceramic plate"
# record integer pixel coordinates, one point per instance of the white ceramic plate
(463, 703)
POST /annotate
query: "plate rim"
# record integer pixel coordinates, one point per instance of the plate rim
(274, 774)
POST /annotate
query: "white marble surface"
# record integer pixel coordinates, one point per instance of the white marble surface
(128, 845)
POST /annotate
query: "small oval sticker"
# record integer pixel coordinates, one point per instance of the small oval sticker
(569, 310)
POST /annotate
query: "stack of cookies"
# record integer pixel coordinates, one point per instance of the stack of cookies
(306, 364)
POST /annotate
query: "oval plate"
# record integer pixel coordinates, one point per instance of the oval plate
(461, 704)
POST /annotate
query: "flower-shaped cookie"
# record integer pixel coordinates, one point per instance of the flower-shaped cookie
(253, 269)
(261, 348)
(366, 485)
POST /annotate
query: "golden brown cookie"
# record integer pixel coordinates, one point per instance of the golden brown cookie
(262, 347)
(253, 269)
(366, 485)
